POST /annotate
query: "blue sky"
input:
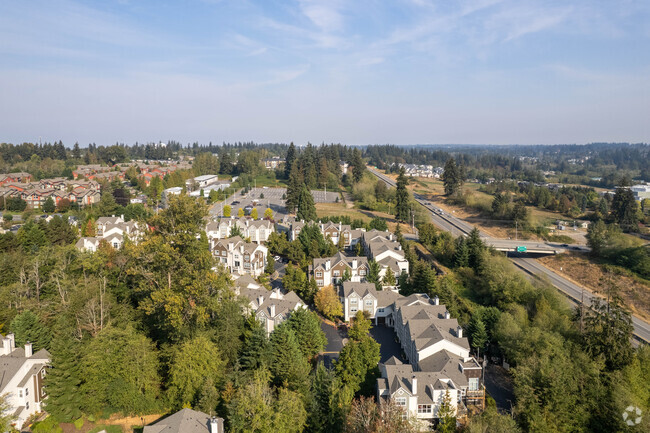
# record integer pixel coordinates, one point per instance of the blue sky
(355, 72)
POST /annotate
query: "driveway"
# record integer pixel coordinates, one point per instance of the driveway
(385, 336)
(334, 343)
(498, 384)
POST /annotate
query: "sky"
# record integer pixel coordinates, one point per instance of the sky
(353, 72)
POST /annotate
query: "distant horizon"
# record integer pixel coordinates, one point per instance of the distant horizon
(262, 143)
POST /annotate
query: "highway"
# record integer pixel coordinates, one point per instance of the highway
(458, 227)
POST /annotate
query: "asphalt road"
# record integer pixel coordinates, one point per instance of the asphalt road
(458, 227)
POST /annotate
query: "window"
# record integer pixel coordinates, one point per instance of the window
(43, 373)
(362, 272)
(223, 253)
(369, 302)
(473, 383)
(353, 310)
(26, 392)
(424, 408)
(20, 393)
(353, 301)
(337, 273)
(115, 245)
(319, 282)
(27, 405)
(400, 401)
(319, 274)
(237, 264)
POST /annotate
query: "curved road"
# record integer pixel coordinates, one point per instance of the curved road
(530, 266)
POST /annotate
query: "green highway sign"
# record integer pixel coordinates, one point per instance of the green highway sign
(521, 249)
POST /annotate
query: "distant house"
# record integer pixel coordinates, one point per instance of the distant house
(383, 248)
(270, 307)
(334, 231)
(239, 256)
(256, 230)
(272, 163)
(21, 378)
(20, 177)
(187, 421)
(112, 230)
(330, 270)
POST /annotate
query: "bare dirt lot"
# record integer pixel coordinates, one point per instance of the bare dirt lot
(600, 278)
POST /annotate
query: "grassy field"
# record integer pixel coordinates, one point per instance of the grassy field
(340, 209)
(601, 278)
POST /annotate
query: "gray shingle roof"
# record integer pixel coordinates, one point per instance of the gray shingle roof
(184, 421)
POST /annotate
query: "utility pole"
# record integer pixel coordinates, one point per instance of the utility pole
(516, 229)
(582, 309)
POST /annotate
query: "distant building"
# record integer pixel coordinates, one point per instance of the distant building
(641, 192)
(201, 181)
(272, 163)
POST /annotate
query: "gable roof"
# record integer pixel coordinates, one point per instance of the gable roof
(184, 421)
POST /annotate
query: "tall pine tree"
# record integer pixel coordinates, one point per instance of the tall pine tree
(452, 177)
(402, 197)
(64, 400)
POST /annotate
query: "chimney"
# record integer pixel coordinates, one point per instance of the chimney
(216, 425)
(28, 350)
(272, 310)
(6, 346)
(436, 300)
(260, 300)
(327, 265)
(446, 314)
(12, 338)
(340, 228)
(459, 332)
(354, 264)
(414, 381)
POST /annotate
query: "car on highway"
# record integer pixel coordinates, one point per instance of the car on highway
(564, 245)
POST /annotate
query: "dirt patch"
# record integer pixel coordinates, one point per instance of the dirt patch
(600, 278)
(124, 423)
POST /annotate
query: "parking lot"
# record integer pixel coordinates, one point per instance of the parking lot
(263, 198)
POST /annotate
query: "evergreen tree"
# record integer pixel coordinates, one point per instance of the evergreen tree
(255, 353)
(624, 209)
(288, 364)
(402, 205)
(358, 166)
(48, 206)
(446, 415)
(608, 331)
(328, 402)
(26, 327)
(451, 177)
(477, 334)
(64, 401)
(461, 256)
(597, 237)
(294, 188)
(306, 206)
(389, 278)
(289, 160)
(309, 335)
(107, 205)
(476, 249)
(76, 151)
(270, 263)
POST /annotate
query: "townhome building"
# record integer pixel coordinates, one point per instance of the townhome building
(20, 177)
(239, 256)
(378, 304)
(383, 248)
(271, 307)
(257, 231)
(336, 231)
(21, 379)
(330, 270)
(112, 230)
(439, 361)
(295, 228)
